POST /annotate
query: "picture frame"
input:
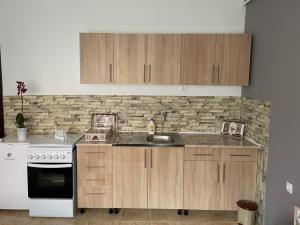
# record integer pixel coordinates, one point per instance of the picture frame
(233, 128)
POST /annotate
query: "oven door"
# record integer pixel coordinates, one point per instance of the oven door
(50, 180)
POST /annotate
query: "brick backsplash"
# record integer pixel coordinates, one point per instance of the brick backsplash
(187, 114)
(73, 113)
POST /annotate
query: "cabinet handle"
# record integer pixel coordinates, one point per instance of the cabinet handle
(145, 156)
(213, 74)
(224, 167)
(95, 166)
(145, 68)
(198, 154)
(240, 155)
(149, 73)
(218, 73)
(100, 193)
(218, 173)
(110, 72)
(95, 180)
(95, 152)
(151, 159)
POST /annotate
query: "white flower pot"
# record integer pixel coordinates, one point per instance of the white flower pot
(22, 134)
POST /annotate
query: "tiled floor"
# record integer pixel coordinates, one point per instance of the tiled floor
(125, 217)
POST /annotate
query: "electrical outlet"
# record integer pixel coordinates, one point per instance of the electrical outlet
(289, 187)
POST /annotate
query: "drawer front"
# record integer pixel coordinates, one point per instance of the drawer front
(95, 197)
(239, 155)
(202, 154)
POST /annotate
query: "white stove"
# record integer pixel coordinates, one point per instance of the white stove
(51, 166)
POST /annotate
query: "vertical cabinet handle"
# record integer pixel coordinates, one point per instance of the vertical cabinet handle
(218, 73)
(110, 73)
(145, 156)
(151, 158)
(224, 167)
(145, 73)
(218, 173)
(213, 74)
(149, 73)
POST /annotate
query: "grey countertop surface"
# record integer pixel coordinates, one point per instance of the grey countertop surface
(186, 139)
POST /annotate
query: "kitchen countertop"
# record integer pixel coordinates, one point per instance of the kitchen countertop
(215, 140)
(187, 139)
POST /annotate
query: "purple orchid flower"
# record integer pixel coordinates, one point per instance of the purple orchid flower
(21, 88)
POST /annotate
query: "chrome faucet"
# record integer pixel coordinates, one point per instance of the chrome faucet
(164, 114)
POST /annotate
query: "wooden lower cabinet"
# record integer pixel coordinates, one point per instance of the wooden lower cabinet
(238, 182)
(94, 176)
(212, 182)
(165, 180)
(130, 177)
(201, 185)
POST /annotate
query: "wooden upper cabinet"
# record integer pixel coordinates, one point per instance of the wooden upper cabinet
(163, 58)
(198, 59)
(233, 59)
(96, 58)
(130, 58)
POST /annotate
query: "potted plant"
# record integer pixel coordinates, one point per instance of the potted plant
(21, 129)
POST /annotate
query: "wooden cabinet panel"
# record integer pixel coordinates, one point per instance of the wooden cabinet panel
(94, 171)
(130, 177)
(129, 58)
(203, 154)
(165, 184)
(239, 154)
(238, 182)
(198, 59)
(233, 58)
(96, 58)
(163, 58)
(201, 185)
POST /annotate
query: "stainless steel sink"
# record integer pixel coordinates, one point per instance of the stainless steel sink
(161, 139)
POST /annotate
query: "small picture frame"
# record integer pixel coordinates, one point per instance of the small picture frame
(297, 216)
(233, 128)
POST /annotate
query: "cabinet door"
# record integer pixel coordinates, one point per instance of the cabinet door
(165, 190)
(198, 59)
(238, 182)
(233, 58)
(129, 58)
(94, 171)
(163, 58)
(96, 58)
(130, 177)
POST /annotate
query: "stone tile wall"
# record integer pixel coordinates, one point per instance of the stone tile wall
(256, 116)
(73, 113)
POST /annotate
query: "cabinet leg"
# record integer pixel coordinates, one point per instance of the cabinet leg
(116, 211)
(110, 211)
(82, 211)
(185, 212)
(179, 212)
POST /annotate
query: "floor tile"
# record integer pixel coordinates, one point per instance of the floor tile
(72, 222)
(103, 223)
(99, 215)
(13, 222)
(199, 216)
(16, 215)
(164, 215)
(165, 223)
(134, 223)
(141, 215)
(42, 222)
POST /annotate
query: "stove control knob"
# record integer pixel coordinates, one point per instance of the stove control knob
(30, 157)
(43, 157)
(62, 157)
(56, 157)
(36, 156)
(49, 157)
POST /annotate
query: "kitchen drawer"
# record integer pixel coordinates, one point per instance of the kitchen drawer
(239, 155)
(202, 154)
(95, 157)
(98, 180)
(95, 197)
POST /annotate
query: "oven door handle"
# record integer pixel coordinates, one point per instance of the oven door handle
(34, 165)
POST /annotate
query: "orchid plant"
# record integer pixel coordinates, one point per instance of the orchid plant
(21, 88)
